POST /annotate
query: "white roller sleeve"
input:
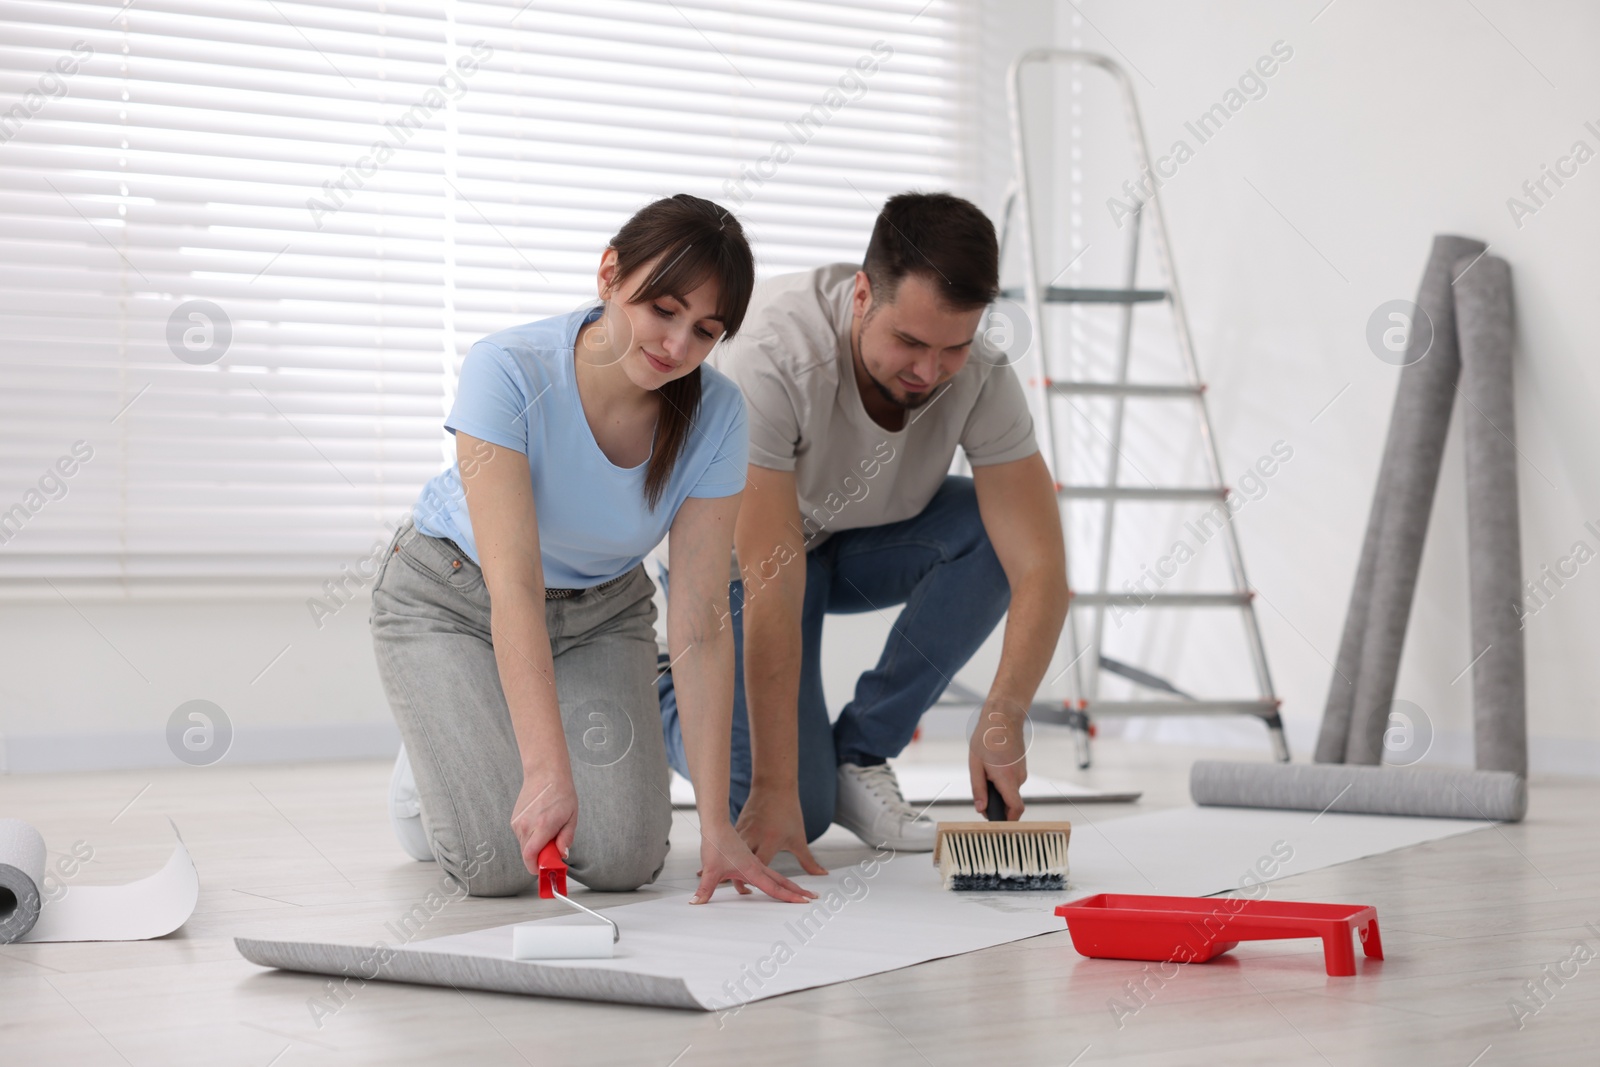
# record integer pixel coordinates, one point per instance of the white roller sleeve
(553, 941)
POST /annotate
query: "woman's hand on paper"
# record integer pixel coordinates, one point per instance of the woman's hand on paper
(724, 857)
(546, 810)
(771, 822)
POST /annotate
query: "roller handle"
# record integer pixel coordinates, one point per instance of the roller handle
(553, 883)
(552, 871)
(997, 805)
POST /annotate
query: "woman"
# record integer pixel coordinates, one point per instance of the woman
(581, 440)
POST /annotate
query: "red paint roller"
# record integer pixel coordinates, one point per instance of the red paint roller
(547, 940)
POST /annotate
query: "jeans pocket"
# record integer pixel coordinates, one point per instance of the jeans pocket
(439, 560)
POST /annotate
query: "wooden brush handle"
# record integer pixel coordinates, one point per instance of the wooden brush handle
(997, 805)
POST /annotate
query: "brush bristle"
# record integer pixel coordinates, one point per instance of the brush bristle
(1015, 860)
(990, 882)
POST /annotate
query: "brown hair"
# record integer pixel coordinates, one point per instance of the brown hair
(941, 237)
(693, 240)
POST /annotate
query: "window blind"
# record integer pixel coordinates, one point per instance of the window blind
(246, 246)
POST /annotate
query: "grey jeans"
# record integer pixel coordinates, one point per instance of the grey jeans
(430, 630)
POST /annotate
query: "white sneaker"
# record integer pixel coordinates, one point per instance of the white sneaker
(405, 810)
(869, 805)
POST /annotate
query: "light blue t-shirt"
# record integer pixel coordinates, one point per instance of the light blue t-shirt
(518, 390)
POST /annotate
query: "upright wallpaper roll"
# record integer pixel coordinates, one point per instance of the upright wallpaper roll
(1494, 539)
(32, 910)
(1357, 711)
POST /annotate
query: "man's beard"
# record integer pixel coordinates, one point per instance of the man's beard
(883, 390)
(904, 403)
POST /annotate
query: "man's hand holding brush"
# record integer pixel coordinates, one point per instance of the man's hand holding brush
(998, 752)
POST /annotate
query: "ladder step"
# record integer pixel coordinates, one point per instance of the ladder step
(1147, 390)
(1117, 295)
(1056, 294)
(1266, 709)
(1129, 492)
(1056, 714)
(1167, 600)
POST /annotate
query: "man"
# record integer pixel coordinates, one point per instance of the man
(860, 384)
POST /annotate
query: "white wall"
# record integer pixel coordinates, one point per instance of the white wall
(1318, 202)
(1387, 126)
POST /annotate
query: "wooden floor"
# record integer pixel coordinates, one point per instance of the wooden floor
(306, 851)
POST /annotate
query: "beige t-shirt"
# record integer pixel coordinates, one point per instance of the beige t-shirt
(792, 361)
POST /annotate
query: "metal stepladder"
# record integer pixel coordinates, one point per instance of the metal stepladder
(1083, 702)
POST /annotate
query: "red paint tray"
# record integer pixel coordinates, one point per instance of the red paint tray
(1119, 926)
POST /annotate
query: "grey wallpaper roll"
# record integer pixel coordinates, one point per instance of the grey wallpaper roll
(1335, 730)
(1412, 454)
(1427, 792)
(1494, 541)
(22, 856)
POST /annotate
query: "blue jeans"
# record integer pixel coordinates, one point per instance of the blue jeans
(941, 566)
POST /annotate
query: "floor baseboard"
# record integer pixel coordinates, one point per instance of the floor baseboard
(122, 750)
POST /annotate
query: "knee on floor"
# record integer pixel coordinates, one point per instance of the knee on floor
(491, 873)
(623, 865)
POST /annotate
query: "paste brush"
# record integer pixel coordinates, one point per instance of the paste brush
(1002, 855)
